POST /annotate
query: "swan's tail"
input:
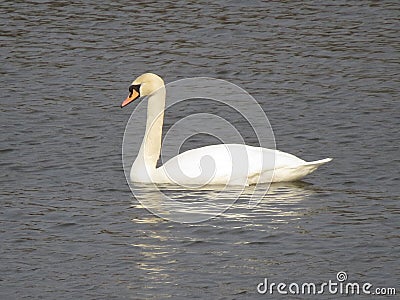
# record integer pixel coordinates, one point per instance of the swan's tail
(311, 166)
(318, 163)
(297, 172)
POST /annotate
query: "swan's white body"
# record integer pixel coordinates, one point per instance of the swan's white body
(232, 164)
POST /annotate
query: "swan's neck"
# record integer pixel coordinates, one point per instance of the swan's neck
(151, 146)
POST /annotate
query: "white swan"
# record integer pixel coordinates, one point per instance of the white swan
(233, 164)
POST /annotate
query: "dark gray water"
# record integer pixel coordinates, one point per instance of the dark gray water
(326, 74)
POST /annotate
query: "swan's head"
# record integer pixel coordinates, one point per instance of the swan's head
(144, 85)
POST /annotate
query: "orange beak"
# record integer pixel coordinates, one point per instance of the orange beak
(130, 98)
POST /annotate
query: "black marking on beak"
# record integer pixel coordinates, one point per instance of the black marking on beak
(135, 87)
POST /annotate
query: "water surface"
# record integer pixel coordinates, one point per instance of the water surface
(326, 74)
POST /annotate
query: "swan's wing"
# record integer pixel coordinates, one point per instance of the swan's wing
(216, 164)
(235, 164)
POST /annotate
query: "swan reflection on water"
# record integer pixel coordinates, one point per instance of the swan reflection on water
(193, 205)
